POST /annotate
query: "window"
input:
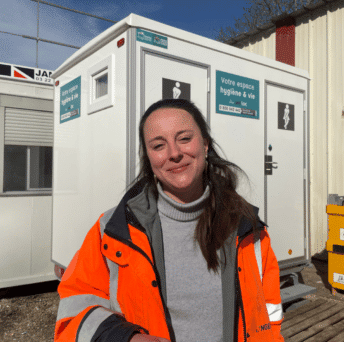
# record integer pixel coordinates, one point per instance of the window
(40, 167)
(101, 85)
(27, 164)
(27, 168)
(15, 168)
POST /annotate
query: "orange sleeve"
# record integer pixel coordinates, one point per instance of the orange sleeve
(88, 271)
(86, 274)
(271, 286)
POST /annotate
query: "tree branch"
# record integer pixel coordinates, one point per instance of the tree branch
(279, 5)
(260, 12)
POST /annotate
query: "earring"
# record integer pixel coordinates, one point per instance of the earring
(155, 180)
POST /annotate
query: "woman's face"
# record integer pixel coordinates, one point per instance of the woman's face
(176, 151)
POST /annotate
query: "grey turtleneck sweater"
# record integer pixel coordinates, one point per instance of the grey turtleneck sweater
(194, 295)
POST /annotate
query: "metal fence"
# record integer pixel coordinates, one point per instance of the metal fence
(38, 39)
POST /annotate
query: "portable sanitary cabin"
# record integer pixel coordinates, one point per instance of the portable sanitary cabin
(257, 110)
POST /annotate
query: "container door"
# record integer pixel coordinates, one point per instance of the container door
(284, 173)
(167, 76)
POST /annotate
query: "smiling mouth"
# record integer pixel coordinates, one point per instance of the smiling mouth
(179, 169)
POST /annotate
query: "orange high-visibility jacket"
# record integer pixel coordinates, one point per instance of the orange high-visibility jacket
(114, 287)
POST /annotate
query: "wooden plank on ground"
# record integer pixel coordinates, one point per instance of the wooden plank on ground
(338, 338)
(296, 320)
(303, 309)
(313, 319)
(314, 329)
(328, 332)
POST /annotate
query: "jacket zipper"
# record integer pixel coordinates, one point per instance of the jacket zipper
(243, 317)
(239, 297)
(240, 307)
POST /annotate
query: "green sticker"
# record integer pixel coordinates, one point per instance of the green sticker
(151, 38)
(237, 95)
(70, 96)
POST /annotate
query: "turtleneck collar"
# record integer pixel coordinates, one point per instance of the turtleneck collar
(181, 211)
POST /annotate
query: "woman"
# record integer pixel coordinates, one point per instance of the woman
(182, 257)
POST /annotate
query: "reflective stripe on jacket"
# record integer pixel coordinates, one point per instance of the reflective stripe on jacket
(114, 287)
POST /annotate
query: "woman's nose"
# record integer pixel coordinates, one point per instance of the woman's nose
(175, 152)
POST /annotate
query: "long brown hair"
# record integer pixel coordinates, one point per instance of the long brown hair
(225, 207)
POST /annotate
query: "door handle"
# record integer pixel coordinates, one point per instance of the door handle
(269, 165)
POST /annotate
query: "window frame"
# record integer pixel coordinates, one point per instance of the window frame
(105, 66)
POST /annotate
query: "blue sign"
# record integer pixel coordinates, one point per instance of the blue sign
(151, 38)
(70, 97)
(237, 95)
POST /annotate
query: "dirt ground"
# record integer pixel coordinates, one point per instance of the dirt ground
(28, 313)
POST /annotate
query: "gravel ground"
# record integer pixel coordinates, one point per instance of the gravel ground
(28, 313)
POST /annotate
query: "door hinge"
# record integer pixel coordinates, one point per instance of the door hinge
(208, 85)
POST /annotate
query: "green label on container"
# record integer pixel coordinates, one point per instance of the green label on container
(151, 38)
(237, 95)
(70, 96)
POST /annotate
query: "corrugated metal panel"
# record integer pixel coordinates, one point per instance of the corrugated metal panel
(264, 46)
(335, 101)
(28, 127)
(317, 40)
(302, 43)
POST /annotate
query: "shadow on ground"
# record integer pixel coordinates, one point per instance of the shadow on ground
(316, 275)
(29, 290)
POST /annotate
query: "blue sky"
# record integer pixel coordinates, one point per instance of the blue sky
(20, 17)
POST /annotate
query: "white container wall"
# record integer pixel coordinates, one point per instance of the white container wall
(26, 138)
(25, 245)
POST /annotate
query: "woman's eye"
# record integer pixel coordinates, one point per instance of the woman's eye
(157, 147)
(185, 139)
